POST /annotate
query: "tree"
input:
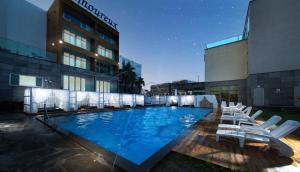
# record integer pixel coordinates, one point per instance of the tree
(139, 84)
(128, 80)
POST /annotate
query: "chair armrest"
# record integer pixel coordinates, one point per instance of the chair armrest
(260, 135)
(247, 123)
(263, 132)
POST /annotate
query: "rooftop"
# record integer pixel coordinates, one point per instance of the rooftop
(225, 41)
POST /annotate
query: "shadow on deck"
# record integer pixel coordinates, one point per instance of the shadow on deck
(201, 144)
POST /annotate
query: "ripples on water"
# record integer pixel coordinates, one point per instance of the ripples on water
(134, 134)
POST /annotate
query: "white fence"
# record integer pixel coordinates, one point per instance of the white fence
(186, 100)
(35, 98)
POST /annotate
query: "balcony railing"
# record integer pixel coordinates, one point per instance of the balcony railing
(225, 41)
(18, 48)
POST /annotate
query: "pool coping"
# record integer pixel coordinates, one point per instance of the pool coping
(110, 156)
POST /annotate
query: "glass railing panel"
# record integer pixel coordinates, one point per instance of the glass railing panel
(225, 41)
(25, 50)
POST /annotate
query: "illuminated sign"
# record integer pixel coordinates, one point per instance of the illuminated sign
(96, 12)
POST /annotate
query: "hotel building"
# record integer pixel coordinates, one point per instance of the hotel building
(137, 66)
(71, 46)
(262, 66)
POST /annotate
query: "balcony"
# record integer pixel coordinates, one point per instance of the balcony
(19, 48)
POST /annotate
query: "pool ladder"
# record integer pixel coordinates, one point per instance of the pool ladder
(46, 117)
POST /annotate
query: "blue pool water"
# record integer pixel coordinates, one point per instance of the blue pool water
(133, 134)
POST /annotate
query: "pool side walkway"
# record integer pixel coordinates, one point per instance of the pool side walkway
(201, 144)
(28, 145)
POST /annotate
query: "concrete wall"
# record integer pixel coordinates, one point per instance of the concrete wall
(226, 62)
(23, 22)
(274, 37)
(276, 89)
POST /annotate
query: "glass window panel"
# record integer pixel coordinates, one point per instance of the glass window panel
(72, 38)
(109, 53)
(77, 84)
(66, 36)
(66, 82)
(27, 80)
(97, 86)
(101, 86)
(66, 60)
(71, 83)
(72, 60)
(107, 87)
(78, 62)
(82, 84)
(14, 79)
(83, 63)
(83, 43)
(78, 41)
(39, 81)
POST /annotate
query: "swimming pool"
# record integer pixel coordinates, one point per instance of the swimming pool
(135, 134)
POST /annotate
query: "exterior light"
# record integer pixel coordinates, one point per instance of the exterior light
(60, 41)
(96, 54)
(53, 44)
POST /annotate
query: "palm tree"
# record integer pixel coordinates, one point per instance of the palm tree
(129, 81)
(127, 78)
(139, 84)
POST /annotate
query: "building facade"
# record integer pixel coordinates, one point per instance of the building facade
(70, 49)
(137, 66)
(183, 87)
(269, 55)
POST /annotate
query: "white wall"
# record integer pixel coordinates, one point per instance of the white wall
(274, 36)
(23, 22)
(226, 62)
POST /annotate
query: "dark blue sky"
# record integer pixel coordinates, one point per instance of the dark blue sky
(168, 37)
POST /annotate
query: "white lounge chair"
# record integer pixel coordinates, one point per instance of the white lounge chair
(231, 104)
(223, 105)
(249, 126)
(237, 116)
(232, 110)
(283, 130)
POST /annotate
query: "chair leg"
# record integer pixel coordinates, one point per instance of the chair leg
(242, 142)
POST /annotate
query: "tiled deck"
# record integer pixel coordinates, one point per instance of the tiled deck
(28, 145)
(201, 144)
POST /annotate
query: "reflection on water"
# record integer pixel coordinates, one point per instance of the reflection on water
(133, 134)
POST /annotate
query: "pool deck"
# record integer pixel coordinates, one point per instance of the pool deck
(28, 145)
(201, 144)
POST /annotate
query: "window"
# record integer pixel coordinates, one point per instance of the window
(25, 80)
(77, 83)
(78, 62)
(105, 52)
(103, 67)
(101, 50)
(74, 39)
(71, 60)
(74, 20)
(81, 42)
(102, 86)
(66, 82)
(82, 84)
(74, 83)
(106, 38)
(109, 54)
